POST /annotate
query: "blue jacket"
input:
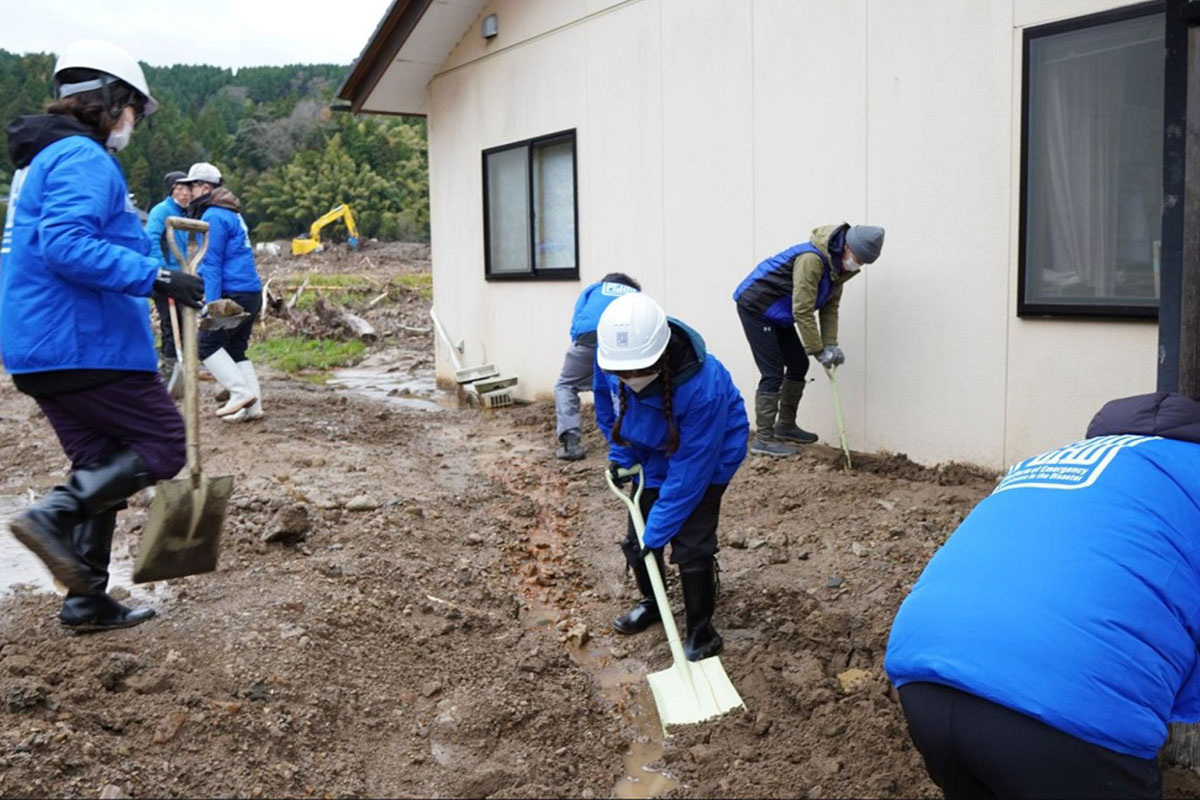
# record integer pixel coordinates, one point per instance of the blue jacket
(590, 305)
(1072, 593)
(156, 228)
(228, 266)
(713, 431)
(75, 262)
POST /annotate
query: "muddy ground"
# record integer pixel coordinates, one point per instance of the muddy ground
(431, 616)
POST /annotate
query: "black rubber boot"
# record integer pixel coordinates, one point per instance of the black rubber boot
(786, 429)
(699, 581)
(766, 406)
(46, 526)
(645, 613)
(95, 610)
(570, 448)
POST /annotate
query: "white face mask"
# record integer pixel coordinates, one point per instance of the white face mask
(119, 137)
(850, 264)
(640, 382)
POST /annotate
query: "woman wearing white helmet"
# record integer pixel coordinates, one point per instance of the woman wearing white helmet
(665, 402)
(74, 332)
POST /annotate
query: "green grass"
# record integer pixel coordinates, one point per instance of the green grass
(298, 354)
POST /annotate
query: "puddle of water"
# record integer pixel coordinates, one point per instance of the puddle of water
(419, 392)
(20, 567)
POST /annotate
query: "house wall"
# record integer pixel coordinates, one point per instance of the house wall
(713, 133)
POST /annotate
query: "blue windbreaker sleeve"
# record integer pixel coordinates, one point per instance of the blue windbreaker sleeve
(606, 416)
(213, 263)
(156, 226)
(689, 471)
(73, 212)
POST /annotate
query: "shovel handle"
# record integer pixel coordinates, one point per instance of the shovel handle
(189, 347)
(837, 412)
(656, 581)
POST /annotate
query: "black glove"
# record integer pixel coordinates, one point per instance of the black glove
(186, 289)
(620, 480)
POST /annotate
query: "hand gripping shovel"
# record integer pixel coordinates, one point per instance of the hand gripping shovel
(837, 412)
(688, 691)
(183, 533)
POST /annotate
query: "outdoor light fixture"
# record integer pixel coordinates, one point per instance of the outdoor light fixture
(490, 26)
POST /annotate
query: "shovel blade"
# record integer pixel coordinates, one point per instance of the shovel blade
(183, 533)
(693, 691)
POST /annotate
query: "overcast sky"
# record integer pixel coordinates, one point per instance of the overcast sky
(227, 33)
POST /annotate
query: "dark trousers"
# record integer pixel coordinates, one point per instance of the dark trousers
(134, 412)
(777, 351)
(164, 325)
(697, 538)
(236, 340)
(975, 748)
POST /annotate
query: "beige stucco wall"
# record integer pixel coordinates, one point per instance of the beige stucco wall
(713, 133)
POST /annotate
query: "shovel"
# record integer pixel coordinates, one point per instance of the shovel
(837, 413)
(183, 533)
(688, 691)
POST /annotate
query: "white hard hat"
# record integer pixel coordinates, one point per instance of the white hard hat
(103, 57)
(632, 333)
(203, 171)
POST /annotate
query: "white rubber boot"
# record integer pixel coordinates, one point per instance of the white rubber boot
(222, 367)
(254, 410)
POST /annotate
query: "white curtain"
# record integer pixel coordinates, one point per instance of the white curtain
(508, 211)
(554, 204)
(1095, 176)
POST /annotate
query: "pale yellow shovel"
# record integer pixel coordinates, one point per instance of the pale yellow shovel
(688, 691)
(837, 412)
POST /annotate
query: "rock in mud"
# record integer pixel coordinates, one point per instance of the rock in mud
(115, 668)
(113, 792)
(290, 524)
(851, 679)
(23, 694)
(168, 727)
(362, 502)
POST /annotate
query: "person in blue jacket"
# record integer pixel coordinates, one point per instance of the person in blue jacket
(229, 273)
(779, 304)
(173, 205)
(74, 332)
(664, 402)
(1048, 644)
(580, 361)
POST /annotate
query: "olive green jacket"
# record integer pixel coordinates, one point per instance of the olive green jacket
(806, 278)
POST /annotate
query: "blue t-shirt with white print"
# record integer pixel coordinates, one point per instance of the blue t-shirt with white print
(590, 305)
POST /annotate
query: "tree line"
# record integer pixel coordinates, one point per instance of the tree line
(272, 133)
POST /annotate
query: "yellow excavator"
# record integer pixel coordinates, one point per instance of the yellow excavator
(307, 244)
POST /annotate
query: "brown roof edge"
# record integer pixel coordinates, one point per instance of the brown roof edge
(381, 49)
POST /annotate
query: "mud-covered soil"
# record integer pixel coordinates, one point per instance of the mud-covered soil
(431, 618)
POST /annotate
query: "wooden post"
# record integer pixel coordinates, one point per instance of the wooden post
(1179, 302)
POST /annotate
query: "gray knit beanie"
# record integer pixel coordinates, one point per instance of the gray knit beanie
(866, 241)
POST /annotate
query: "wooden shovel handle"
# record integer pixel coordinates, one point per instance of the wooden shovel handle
(187, 346)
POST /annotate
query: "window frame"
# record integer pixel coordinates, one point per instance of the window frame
(1104, 311)
(532, 274)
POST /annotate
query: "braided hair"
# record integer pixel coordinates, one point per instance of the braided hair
(664, 375)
